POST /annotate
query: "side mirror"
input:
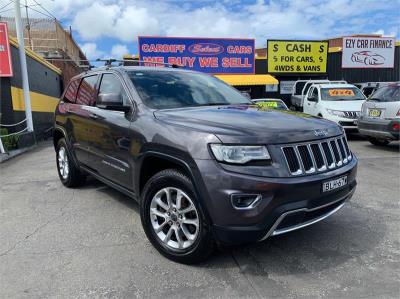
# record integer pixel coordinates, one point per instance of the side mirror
(111, 101)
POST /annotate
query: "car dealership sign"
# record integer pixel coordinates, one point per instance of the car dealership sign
(297, 57)
(368, 52)
(210, 55)
(5, 52)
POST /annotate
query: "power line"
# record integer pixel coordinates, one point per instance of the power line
(4, 6)
(45, 9)
(42, 13)
(6, 10)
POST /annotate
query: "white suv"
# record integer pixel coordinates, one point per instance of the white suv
(340, 103)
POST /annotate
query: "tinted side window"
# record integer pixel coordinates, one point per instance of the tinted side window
(87, 91)
(70, 93)
(111, 84)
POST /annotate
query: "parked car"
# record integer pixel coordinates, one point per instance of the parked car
(271, 103)
(340, 103)
(205, 165)
(380, 115)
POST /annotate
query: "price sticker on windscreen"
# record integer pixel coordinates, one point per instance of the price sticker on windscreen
(268, 104)
(341, 92)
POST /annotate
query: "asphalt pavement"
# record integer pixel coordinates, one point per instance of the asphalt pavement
(88, 242)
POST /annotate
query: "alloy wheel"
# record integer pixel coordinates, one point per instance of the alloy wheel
(63, 164)
(174, 218)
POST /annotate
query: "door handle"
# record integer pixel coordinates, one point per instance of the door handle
(93, 116)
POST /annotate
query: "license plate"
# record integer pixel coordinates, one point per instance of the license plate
(334, 184)
(374, 112)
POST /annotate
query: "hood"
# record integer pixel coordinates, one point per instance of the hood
(250, 124)
(344, 105)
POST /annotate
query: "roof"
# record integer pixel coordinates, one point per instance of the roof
(336, 85)
(240, 80)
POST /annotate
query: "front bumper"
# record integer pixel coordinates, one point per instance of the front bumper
(287, 203)
(378, 128)
(346, 123)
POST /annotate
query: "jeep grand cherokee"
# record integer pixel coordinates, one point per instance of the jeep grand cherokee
(205, 164)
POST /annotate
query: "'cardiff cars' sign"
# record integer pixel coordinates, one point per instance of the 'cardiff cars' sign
(5, 53)
(210, 55)
(368, 52)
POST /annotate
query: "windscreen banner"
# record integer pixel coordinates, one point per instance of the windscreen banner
(209, 55)
(5, 52)
(368, 52)
(297, 57)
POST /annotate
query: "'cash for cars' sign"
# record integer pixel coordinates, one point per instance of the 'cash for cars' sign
(5, 53)
(368, 52)
(286, 56)
(210, 55)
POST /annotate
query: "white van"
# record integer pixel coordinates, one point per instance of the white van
(340, 103)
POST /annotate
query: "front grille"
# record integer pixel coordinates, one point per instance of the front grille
(318, 156)
(351, 114)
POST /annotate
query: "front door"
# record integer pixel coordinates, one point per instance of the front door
(109, 135)
(310, 107)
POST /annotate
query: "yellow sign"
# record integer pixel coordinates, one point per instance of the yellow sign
(268, 104)
(341, 92)
(297, 56)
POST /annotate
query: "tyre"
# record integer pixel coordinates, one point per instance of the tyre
(379, 142)
(173, 220)
(68, 172)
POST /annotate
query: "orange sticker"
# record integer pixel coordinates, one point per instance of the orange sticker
(341, 92)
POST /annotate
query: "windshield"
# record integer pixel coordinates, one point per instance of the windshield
(386, 94)
(173, 89)
(341, 94)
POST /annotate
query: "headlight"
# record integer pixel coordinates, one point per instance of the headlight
(335, 112)
(239, 154)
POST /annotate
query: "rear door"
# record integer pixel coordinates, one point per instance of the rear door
(109, 140)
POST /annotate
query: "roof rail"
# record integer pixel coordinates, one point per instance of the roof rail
(108, 62)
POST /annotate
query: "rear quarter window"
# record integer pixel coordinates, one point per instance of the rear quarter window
(70, 92)
(87, 91)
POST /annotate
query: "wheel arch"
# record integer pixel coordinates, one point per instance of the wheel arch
(153, 162)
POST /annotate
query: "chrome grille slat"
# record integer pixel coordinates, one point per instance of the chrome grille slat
(339, 152)
(306, 158)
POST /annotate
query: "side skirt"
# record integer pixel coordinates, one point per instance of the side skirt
(110, 183)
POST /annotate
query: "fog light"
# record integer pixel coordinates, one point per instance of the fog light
(245, 201)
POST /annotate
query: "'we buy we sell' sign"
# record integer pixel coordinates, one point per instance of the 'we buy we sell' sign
(209, 55)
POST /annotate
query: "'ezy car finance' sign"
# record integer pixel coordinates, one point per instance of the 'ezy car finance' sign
(368, 52)
(209, 55)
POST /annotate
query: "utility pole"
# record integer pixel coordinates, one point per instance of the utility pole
(24, 71)
(28, 26)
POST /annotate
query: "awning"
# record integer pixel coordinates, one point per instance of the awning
(237, 80)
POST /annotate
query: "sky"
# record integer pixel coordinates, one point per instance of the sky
(109, 28)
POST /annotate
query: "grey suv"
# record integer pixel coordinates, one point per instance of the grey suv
(205, 164)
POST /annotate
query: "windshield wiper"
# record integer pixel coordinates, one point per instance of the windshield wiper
(375, 100)
(210, 104)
